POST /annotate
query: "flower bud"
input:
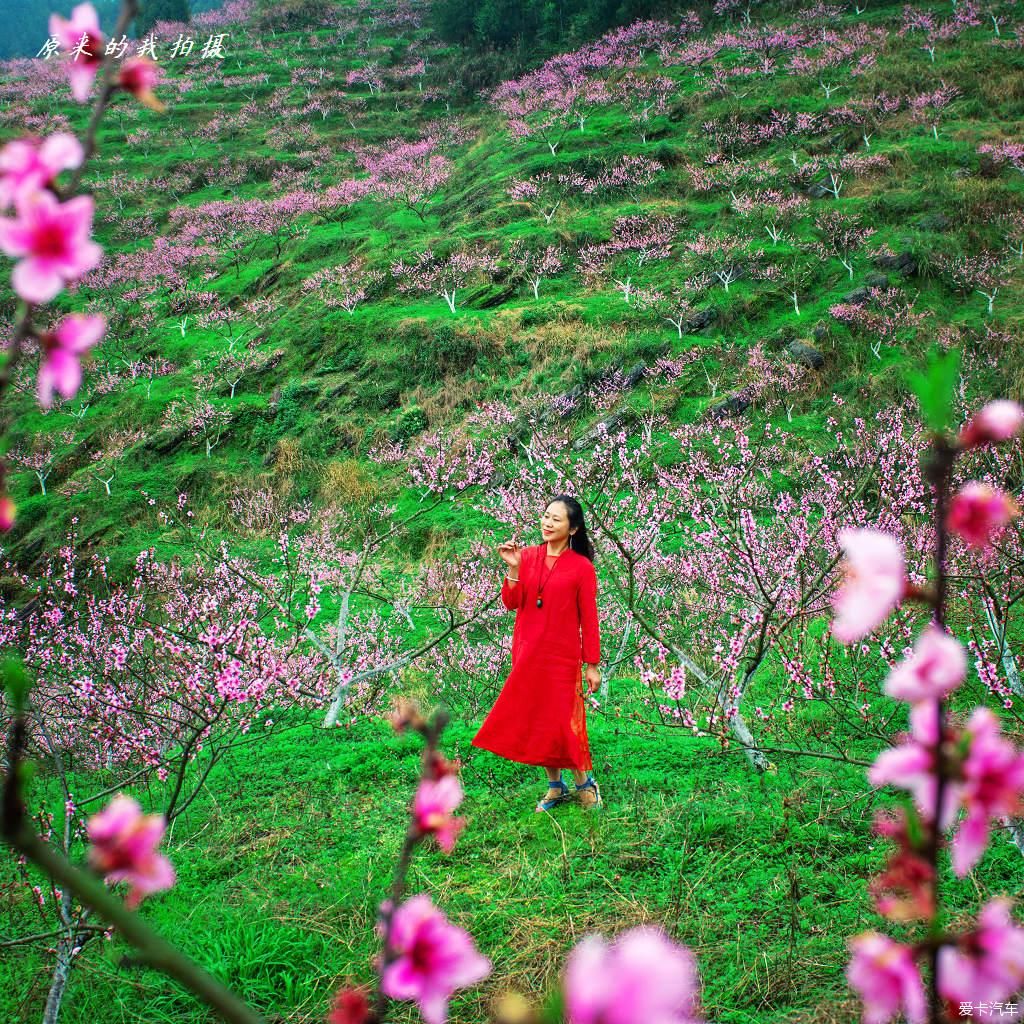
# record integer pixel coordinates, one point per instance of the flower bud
(404, 714)
(138, 75)
(439, 766)
(978, 511)
(997, 421)
(514, 1008)
(351, 1006)
(8, 513)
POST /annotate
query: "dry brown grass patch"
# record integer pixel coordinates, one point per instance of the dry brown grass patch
(1005, 87)
(288, 457)
(572, 341)
(441, 404)
(345, 481)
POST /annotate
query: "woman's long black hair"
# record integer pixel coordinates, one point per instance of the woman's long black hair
(578, 541)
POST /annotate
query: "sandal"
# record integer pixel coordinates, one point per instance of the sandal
(589, 794)
(547, 804)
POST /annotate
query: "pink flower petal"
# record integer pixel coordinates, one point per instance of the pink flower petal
(64, 370)
(36, 282)
(433, 959)
(884, 974)
(15, 236)
(969, 843)
(643, 978)
(873, 584)
(80, 78)
(61, 152)
(996, 421)
(936, 667)
(78, 332)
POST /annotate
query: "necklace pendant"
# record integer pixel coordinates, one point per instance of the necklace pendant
(540, 602)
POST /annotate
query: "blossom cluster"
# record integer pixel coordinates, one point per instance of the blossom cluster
(49, 235)
(945, 769)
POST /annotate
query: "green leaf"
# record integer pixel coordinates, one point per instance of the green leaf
(14, 681)
(916, 831)
(936, 387)
(553, 1009)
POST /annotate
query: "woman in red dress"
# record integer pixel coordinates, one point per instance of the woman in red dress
(539, 717)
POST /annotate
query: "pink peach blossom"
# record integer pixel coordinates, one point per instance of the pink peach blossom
(885, 976)
(642, 978)
(60, 367)
(350, 1006)
(8, 513)
(138, 75)
(53, 240)
(977, 511)
(993, 786)
(124, 848)
(988, 965)
(997, 421)
(905, 890)
(911, 766)
(874, 584)
(936, 667)
(83, 67)
(30, 163)
(432, 807)
(434, 958)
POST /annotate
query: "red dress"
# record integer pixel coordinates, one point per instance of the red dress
(539, 716)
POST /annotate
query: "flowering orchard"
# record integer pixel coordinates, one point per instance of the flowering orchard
(765, 597)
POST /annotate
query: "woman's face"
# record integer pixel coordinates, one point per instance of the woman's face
(554, 524)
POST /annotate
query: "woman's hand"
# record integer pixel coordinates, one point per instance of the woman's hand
(511, 554)
(593, 678)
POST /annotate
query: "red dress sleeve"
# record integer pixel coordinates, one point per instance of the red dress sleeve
(586, 601)
(512, 597)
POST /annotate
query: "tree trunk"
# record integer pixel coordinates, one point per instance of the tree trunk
(339, 692)
(737, 724)
(59, 981)
(68, 947)
(618, 657)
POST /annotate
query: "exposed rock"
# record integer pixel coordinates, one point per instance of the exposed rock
(820, 332)
(31, 551)
(569, 398)
(267, 280)
(611, 423)
(805, 355)
(857, 297)
(272, 360)
(702, 318)
(338, 391)
(901, 262)
(876, 280)
(730, 406)
(636, 375)
(818, 190)
(480, 299)
(339, 398)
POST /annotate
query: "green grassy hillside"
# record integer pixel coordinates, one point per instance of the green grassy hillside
(332, 383)
(290, 845)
